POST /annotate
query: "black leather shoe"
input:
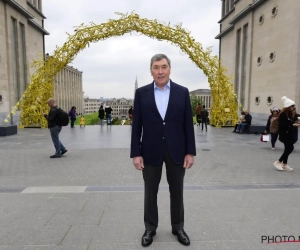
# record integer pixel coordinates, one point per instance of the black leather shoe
(147, 238)
(182, 237)
(55, 156)
(63, 152)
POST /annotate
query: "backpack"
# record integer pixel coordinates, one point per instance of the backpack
(204, 113)
(62, 117)
(274, 127)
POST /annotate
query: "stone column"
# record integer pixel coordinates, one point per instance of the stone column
(68, 85)
(72, 88)
(66, 88)
(60, 87)
(76, 90)
(81, 93)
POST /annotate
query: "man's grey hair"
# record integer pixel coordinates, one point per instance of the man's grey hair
(159, 57)
(50, 100)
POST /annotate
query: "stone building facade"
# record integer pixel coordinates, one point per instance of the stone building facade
(22, 36)
(68, 90)
(91, 105)
(259, 46)
(204, 95)
(120, 107)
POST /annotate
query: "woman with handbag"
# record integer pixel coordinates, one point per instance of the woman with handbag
(288, 132)
(272, 126)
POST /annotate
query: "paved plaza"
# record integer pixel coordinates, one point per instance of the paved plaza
(92, 197)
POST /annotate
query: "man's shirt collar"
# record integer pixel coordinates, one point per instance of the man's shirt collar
(167, 85)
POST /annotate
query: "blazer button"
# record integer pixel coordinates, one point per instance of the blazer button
(164, 123)
(163, 138)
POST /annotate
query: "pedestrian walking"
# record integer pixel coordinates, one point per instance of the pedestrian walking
(52, 118)
(101, 114)
(163, 131)
(288, 132)
(272, 126)
(204, 117)
(72, 114)
(198, 114)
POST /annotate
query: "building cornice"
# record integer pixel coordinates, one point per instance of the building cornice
(19, 8)
(38, 27)
(247, 10)
(74, 70)
(36, 10)
(229, 28)
(239, 16)
(225, 16)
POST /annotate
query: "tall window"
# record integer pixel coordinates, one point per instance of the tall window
(223, 8)
(237, 62)
(244, 64)
(22, 57)
(14, 42)
(231, 4)
(227, 6)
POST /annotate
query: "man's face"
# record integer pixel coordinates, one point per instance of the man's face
(246, 112)
(160, 70)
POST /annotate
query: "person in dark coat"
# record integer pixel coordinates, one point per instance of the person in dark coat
(108, 111)
(204, 117)
(163, 132)
(101, 114)
(245, 123)
(269, 129)
(55, 129)
(198, 114)
(72, 114)
(130, 114)
(288, 132)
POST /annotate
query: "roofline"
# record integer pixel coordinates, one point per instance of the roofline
(225, 16)
(18, 7)
(224, 32)
(245, 11)
(239, 16)
(38, 27)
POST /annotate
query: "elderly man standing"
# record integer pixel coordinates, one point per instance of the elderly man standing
(55, 129)
(163, 131)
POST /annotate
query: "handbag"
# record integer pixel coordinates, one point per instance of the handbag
(264, 138)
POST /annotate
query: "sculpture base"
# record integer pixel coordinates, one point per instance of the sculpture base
(8, 130)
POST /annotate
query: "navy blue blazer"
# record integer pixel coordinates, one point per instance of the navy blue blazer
(151, 134)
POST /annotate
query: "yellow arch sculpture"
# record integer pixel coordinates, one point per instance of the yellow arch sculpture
(33, 102)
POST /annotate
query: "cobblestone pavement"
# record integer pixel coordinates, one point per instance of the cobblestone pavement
(92, 198)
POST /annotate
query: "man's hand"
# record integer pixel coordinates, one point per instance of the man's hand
(188, 161)
(138, 162)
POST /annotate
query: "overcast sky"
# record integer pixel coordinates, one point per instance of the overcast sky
(111, 66)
